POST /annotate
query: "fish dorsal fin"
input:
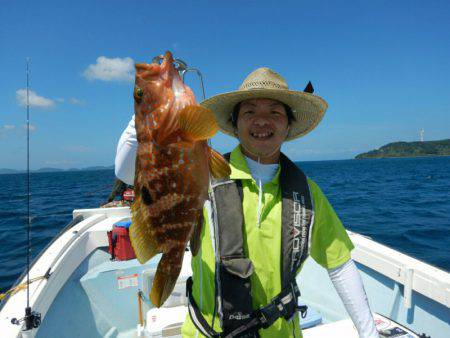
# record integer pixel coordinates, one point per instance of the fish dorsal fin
(218, 165)
(197, 123)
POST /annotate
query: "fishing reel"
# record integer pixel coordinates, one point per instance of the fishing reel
(32, 319)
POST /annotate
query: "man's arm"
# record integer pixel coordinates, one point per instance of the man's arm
(331, 247)
(348, 284)
(126, 154)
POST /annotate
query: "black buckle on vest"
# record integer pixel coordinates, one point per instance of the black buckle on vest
(284, 305)
(268, 314)
(303, 310)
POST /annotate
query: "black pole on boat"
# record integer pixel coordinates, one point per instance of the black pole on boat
(32, 319)
(28, 185)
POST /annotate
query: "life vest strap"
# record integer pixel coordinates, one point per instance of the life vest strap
(196, 315)
(285, 305)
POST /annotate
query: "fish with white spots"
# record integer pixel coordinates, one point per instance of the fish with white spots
(173, 163)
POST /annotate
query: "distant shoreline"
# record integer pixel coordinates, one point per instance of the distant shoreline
(5, 171)
(409, 149)
(412, 156)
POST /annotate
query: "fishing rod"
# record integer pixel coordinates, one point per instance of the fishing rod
(32, 319)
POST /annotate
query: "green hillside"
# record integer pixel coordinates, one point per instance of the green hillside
(410, 149)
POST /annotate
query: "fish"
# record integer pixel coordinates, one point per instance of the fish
(172, 173)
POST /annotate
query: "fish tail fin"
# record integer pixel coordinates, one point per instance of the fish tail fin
(168, 270)
(144, 245)
(197, 123)
(218, 165)
(195, 240)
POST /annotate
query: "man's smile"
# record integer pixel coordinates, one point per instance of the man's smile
(262, 135)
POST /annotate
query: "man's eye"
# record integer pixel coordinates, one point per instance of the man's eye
(248, 112)
(274, 112)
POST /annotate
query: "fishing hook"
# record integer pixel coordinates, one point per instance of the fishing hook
(183, 68)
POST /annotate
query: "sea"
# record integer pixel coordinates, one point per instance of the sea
(403, 203)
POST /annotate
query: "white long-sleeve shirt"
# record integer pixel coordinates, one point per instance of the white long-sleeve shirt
(346, 278)
(125, 161)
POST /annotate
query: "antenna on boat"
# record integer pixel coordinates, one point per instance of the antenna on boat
(32, 319)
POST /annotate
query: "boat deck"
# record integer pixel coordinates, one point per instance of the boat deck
(88, 295)
(91, 303)
(100, 300)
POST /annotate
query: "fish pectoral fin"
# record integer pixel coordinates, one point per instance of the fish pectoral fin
(168, 270)
(144, 245)
(197, 123)
(218, 166)
(195, 240)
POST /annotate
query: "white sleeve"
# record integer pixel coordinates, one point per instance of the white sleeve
(126, 154)
(349, 286)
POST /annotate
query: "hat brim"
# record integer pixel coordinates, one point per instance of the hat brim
(308, 109)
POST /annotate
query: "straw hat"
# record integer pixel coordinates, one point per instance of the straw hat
(308, 109)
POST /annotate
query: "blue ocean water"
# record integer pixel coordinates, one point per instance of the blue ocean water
(402, 203)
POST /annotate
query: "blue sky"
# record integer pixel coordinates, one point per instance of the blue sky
(383, 67)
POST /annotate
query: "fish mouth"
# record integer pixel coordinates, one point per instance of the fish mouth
(163, 64)
(262, 135)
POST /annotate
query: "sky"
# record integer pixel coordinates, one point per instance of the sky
(382, 66)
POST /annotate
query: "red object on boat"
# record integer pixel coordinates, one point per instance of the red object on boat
(119, 243)
(128, 195)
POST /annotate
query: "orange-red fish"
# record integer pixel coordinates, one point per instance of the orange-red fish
(172, 170)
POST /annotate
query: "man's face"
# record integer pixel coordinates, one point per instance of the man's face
(262, 126)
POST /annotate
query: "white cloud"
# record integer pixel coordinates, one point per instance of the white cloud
(6, 129)
(114, 69)
(60, 100)
(75, 101)
(32, 127)
(34, 99)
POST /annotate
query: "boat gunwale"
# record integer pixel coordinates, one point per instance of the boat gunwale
(427, 280)
(81, 231)
(72, 223)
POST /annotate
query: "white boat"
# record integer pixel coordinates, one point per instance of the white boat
(80, 292)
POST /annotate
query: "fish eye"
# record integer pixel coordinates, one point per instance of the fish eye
(138, 93)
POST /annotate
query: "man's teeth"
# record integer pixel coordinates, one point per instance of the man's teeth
(262, 135)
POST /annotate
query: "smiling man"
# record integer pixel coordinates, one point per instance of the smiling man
(264, 221)
(262, 126)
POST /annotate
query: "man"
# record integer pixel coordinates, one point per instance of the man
(260, 225)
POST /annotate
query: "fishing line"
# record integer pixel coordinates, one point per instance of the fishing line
(183, 69)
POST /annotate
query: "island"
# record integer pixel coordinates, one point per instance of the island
(410, 149)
